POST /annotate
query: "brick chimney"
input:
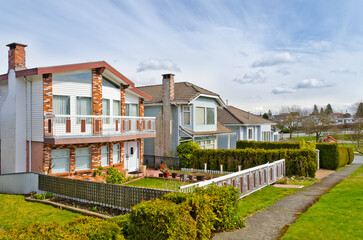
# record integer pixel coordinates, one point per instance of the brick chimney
(168, 86)
(16, 56)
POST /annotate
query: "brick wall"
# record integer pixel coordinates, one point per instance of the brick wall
(171, 88)
(97, 100)
(123, 100)
(48, 104)
(16, 56)
(141, 145)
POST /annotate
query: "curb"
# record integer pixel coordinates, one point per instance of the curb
(73, 209)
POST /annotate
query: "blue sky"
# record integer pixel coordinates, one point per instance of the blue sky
(259, 55)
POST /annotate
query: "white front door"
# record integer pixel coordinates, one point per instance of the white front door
(132, 162)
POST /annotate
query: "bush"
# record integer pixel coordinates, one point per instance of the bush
(329, 154)
(297, 162)
(78, 228)
(114, 176)
(351, 155)
(184, 151)
(123, 221)
(160, 219)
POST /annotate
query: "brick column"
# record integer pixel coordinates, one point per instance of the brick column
(47, 159)
(72, 160)
(48, 105)
(123, 100)
(141, 141)
(122, 155)
(110, 147)
(141, 107)
(96, 156)
(97, 100)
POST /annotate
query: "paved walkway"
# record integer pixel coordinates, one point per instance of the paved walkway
(274, 221)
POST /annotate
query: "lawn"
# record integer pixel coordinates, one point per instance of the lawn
(266, 197)
(16, 212)
(157, 183)
(337, 215)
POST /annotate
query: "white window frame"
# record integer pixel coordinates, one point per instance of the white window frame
(206, 116)
(105, 155)
(65, 156)
(186, 109)
(84, 155)
(248, 135)
(116, 153)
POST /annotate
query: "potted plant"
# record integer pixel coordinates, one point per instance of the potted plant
(161, 174)
(166, 174)
(200, 178)
(191, 177)
(174, 174)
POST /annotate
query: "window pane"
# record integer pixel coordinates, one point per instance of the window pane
(61, 105)
(104, 156)
(106, 107)
(132, 110)
(200, 116)
(83, 163)
(84, 106)
(60, 153)
(186, 118)
(116, 153)
(210, 116)
(116, 108)
(60, 165)
(83, 151)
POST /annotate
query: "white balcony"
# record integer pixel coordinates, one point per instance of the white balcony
(65, 126)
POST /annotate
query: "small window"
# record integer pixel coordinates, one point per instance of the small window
(104, 156)
(83, 159)
(250, 133)
(210, 116)
(186, 116)
(200, 115)
(60, 161)
(131, 150)
(116, 153)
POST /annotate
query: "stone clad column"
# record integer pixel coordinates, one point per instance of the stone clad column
(48, 104)
(97, 100)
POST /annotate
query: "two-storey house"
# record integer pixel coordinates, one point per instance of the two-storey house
(70, 119)
(184, 112)
(247, 126)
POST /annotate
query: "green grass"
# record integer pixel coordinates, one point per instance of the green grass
(157, 183)
(337, 215)
(266, 197)
(16, 212)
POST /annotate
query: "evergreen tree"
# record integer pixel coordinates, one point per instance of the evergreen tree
(270, 114)
(359, 113)
(265, 116)
(329, 109)
(321, 110)
(315, 110)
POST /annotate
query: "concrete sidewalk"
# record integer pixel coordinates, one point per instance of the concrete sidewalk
(274, 221)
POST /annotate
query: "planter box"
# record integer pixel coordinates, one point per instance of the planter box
(183, 176)
(166, 174)
(200, 178)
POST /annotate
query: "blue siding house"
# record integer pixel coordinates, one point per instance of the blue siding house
(184, 112)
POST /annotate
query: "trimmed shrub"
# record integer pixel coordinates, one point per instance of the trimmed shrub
(184, 152)
(329, 152)
(114, 176)
(298, 162)
(123, 221)
(78, 228)
(351, 155)
(160, 219)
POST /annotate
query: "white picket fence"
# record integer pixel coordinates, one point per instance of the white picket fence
(246, 181)
(204, 171)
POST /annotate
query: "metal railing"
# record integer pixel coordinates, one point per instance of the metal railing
(246, 181)
(91, 125)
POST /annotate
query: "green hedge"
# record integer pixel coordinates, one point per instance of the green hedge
(351, 155)
(298, 162)
(330, 155)
(79, 228)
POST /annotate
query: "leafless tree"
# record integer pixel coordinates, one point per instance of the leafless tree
(317, 123)
(290, 118)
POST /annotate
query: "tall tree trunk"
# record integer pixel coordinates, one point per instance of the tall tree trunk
(290, 134)
(317, 136)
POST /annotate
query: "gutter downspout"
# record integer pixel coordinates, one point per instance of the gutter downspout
(29, 101)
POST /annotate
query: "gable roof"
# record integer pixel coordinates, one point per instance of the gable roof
(184, 92)
(74, 67)
(233, 115)
(220, 130)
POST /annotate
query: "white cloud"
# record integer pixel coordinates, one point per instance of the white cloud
(275, 59)
(283, 90)
(344, 71)
(319, 45)
(251, 77)
(157, 64)
(314, 83)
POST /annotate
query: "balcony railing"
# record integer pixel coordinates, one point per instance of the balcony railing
(91, 125)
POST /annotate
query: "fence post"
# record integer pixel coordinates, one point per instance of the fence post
(205, 167)
(239, 168)
(221, 168)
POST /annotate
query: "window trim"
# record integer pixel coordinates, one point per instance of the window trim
(248, 137)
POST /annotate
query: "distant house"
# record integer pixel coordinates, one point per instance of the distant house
(69, 119)
(248, 126)
(184, 112)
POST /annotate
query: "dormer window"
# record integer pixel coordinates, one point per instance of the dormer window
(205, 116)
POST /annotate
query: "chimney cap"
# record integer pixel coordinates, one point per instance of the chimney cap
(14, 44)
(166, 75)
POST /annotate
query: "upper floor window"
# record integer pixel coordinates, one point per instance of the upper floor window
(205, 116)
(84, 106)
(186, 115)
(116, 108)
(132, 109)
(61, 105)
